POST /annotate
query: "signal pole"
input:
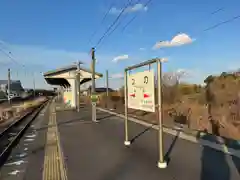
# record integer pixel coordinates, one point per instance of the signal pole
(9, 85)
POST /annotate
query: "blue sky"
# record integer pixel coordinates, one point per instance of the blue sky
(44, 35)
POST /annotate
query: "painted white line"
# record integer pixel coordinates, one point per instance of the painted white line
(15, 163)
(219, 147)
(22, 155)
(31, 136)
(15, 172)
(29, 140)
(13, 134)
(10, 138)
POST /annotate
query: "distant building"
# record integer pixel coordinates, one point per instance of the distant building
(237, 73)
(15, 87)
(97, 90)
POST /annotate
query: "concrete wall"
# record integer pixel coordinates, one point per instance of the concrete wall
(73, 92)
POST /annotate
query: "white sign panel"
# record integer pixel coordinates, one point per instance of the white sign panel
(141, 91)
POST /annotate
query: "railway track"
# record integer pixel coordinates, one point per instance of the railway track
(13, 133)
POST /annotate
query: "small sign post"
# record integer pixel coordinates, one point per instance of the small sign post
(94, 98)
(139, 90)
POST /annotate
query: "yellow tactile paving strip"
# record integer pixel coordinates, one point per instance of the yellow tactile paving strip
(54, 168)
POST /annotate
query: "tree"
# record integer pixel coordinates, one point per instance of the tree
(2, 95)
(223, 74)
(209, 79)
(195, 88)
(121, 91)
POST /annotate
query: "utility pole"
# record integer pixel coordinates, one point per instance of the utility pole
(107, 89)
(78, 85)
(34, 88)
(94, 118)
(9, 85)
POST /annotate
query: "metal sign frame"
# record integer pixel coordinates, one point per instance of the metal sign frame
(161, 162)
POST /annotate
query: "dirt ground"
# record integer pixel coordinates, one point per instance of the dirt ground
(11, 111)
(190, 116)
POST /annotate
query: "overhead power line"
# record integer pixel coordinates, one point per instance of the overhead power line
(9, 56)
(221, 23)
(138, 1)
(134, 17)
(7, 52)
(217, 11)
(110, 33)
(119, 23)
(3, 45)
(102, 21)
(114, 22)
(129, 22)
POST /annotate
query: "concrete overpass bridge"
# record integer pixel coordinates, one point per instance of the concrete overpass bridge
(66, 77)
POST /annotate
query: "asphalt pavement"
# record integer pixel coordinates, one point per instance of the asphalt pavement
(96, 151)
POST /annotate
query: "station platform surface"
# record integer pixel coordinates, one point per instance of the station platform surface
(66, 144)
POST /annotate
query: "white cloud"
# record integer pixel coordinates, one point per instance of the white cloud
(178, 40)
(142, 49)
(129, 9)
(116, 76)
(137, 7)
(119, 58)
(114, 10)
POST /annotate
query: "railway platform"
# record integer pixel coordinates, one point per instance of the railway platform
(64, 144)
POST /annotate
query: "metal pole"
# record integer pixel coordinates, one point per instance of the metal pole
(78, 86)
(9, 86)
(93, 86)
(126, 142)
(107, 90)
(34, 89)
(79, 97)
(161, 162)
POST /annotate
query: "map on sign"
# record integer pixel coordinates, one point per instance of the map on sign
(141, 91)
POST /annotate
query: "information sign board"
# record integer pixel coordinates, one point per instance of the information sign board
(141, 91)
